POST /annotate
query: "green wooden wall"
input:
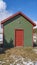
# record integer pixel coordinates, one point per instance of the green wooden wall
(18, 22)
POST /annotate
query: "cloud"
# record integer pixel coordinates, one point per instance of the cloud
(2, 5)
(3, 12)
(35, 22)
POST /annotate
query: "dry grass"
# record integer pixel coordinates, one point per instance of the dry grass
(19, 51)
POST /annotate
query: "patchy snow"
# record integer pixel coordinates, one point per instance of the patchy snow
(19, 60)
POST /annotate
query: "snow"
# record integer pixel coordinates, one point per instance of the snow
(20, 61)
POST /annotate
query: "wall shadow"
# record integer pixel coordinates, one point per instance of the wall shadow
(7, 45)
(11, 20)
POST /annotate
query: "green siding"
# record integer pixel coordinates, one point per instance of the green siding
(18, 22)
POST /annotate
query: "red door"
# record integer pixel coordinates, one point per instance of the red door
(19, 37)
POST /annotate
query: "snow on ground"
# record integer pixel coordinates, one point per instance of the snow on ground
(18, 60)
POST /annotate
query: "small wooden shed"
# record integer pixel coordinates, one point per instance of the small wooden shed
(18, 30)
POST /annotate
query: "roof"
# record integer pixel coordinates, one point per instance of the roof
(18, 13)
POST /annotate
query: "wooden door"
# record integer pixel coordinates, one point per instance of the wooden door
(19, 37)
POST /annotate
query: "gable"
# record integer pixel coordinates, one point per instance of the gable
(16, 15)
(18, 21)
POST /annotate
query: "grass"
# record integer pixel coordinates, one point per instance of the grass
(19, 51)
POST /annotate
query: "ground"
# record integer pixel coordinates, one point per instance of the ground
(17, 55)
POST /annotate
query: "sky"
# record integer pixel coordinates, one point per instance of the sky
(10, 7)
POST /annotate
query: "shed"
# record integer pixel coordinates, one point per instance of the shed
(18, 30)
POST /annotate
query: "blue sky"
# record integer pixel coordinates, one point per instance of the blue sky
(28, 7)
(9, 7)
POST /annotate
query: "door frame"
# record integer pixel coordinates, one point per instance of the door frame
(15, 35)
